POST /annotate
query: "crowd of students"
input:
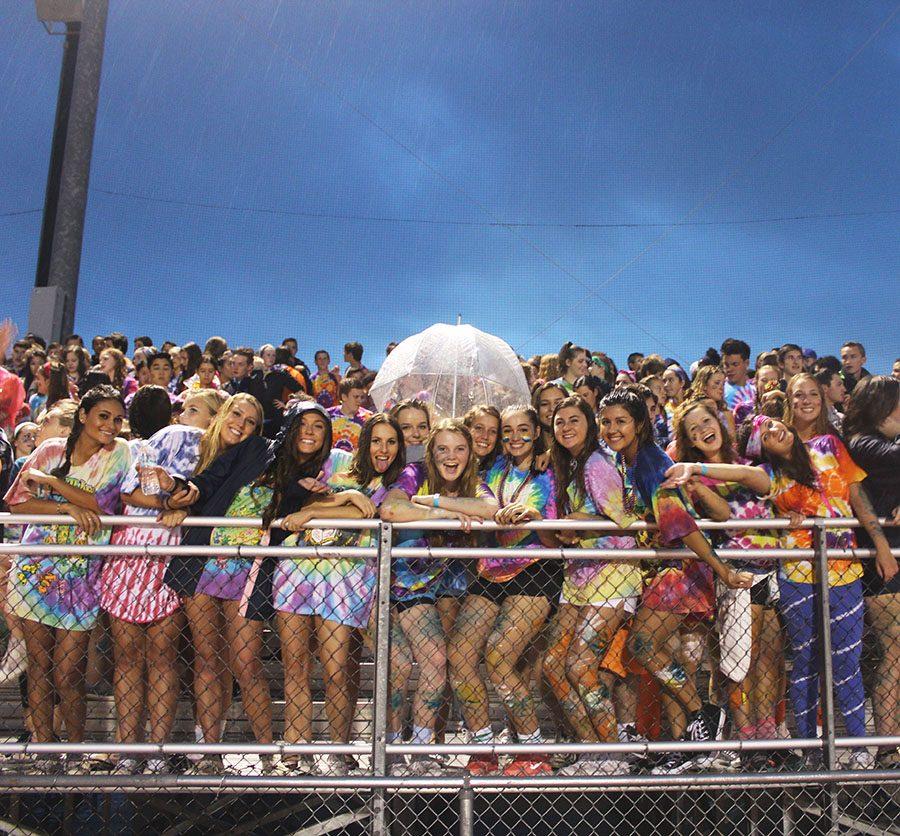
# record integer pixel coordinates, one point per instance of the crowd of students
(618, 650)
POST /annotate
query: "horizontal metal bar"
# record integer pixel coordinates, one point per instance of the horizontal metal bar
(438, 553)
(278, 784)
(448, 525)
(653, 747)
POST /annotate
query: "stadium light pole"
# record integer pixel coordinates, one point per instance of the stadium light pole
(52, 311)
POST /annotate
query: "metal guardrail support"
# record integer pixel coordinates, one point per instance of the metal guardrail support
(826, 672)
(466, 808)
(382, 655)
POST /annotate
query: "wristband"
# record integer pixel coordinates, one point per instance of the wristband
(436, 501)
(703, 470)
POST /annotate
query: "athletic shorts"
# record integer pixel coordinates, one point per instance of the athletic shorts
(539, 580)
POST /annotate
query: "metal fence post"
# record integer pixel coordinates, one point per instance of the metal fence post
(466, 808)
(382, 673)
(826, 672)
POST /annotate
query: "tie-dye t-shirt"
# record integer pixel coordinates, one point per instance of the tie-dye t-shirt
(744, 504)
(345, 429)
(667, 507)
(225, 576)
(836, 472)
(417, 577)
(325, 389)
(63, 591)
(533, 490)
(603, 497)
(338, 589)
(736, 396)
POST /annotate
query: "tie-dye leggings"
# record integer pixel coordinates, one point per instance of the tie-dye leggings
(800, 616)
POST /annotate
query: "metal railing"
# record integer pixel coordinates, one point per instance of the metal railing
(379, 785)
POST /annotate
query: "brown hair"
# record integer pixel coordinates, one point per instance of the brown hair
(467, 483)
(821, 426)
(685, 451)
(872, 400)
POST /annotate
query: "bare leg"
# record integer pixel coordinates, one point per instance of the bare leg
(559, 639)
(337, 645)
(69, 662)
(464, 651)
(129, 654)
(204, 615)
(295, 634)
(162, 674)
(520, 619)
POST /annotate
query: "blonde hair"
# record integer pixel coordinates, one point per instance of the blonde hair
(63, 412)
(211, 445)
(701, 380)
(212, 399)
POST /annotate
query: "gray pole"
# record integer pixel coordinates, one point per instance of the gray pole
(380, 825)
(53, 307)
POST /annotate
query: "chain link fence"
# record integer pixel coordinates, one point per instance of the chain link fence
(524, 704)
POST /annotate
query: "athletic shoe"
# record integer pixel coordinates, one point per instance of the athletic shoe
(559, 760)
(629, 734)
(157, 766)
(483, 765)
(422, 765)
(674, 763)
(528, 766)
(707, 724)
(208, 765)
(888, 759)
(587, 767)
(333, 766)
(294, 765)
(727, 760)
(15, 662)
(861, 759)
(128, 766)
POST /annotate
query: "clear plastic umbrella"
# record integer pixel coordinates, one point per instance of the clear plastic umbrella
(453, 367)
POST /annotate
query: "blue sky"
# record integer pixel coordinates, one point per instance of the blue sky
(341, 171)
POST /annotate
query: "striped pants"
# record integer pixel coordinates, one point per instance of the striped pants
(800, 616)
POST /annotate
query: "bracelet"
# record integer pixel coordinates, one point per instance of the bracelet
(436, 502)
(703, 470)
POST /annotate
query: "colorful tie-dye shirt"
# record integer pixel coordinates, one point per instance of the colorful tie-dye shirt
(325, 389)
(338, 589)
(412, 577)
(744, 504)
(63, 591)
(836, 472)
(669, 508)
(533, 490)
(604, 497)
(345, 430)
(736, 396)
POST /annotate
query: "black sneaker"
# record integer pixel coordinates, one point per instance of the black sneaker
(706, 724)
(674, 763)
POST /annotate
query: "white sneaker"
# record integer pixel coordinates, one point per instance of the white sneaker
(333, 766)
(727, 760)
(422, 765)
(861, 759)
(15, 662)
(587, 766)
(157, 766)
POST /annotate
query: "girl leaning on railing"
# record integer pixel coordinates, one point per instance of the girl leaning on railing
(816, 479)
(444, 486)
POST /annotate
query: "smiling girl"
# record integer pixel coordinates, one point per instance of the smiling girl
(444, 486)
(145, 621)
(330, 598)
(674, 589)
(509, 600)
(748, 625)
(598, 596)
(57, 597)
(819, 479)
(573, 363)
